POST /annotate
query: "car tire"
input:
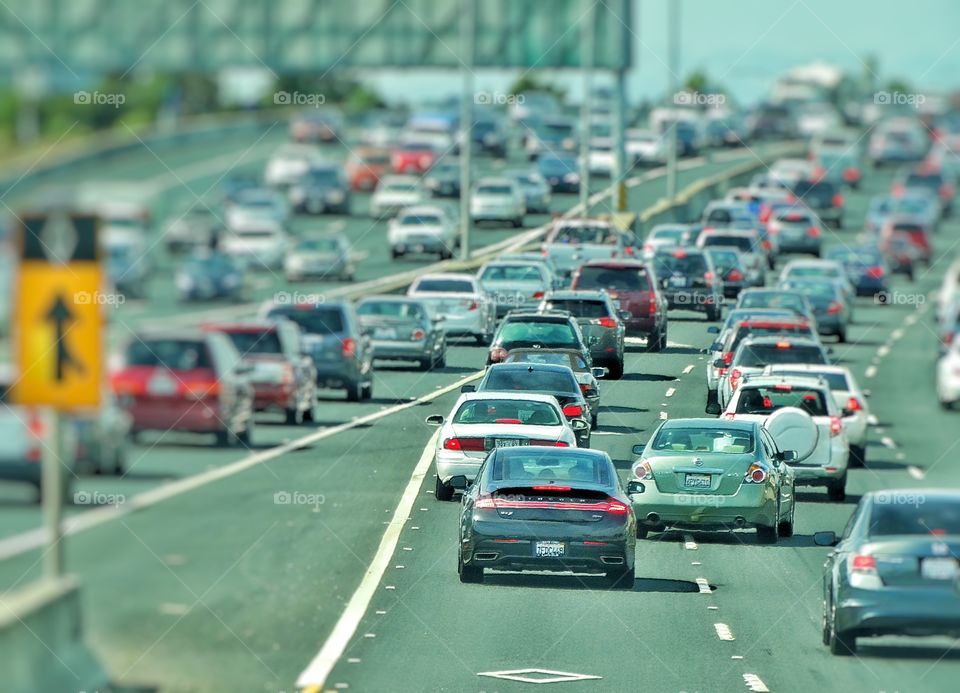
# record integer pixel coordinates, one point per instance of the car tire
(394, 254)
(482, 339)
(366, 391)
(842, 337)
(841, 643)
(355, 392)
(594, 419)
(119, 462)
(517, 223)
(469, 574)
(785, 528)
(837, 489)
(441, 361)
(713, 314)
(615, 370)
(768, 535)
(425, 364)
(655, 342)
(442, 491)
(293, 416)
(226, 438)
(642, 531)
(858, 455)
(309, 415)
(245, 439)
(623, 578)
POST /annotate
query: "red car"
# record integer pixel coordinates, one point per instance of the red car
(284, 379)
(366, 166)
(632, 286)
(186, 380)
(914, 232)
(413, 157)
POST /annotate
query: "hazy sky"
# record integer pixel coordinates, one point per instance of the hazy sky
(745, 44)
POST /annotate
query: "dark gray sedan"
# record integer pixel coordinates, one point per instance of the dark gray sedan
(895, 569)
(585, 375)
(600, 321)
(401, 328)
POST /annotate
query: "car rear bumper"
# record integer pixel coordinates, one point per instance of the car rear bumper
(14, 470)
(388, 349)
(192, 416)
(891, 611)
(273, 396)
(751, 506)
(799, 245)
(469, 322)
(451, 464)
(337, 375)
(640, 326)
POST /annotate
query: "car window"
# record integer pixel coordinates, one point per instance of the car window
(759, 355)
(516, 273)
(680, 263)
(255, 341)
(705, 439)
(522, 466)
(507, 411)
(743, 243)
(175, 354)
(528, 380)
(578, 234)
(313, 320)
(763, 399)
(933, 516)
(580, 308)
(559, 334)
(617, 278)
(458, 286)
(393, 309)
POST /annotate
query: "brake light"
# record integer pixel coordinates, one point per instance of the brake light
(853, 404)
(473, 305)
(199, 389)
(628, 250)
(875, 272)
(680, 253)
(605, 322)
(485, 503)
(537, 294)
(418, 335)
(897, 189)
(708, 278)
(834, 307)
(349, 347)
(851, 174)
(838, 200)
(783, 387)
(735, 378)
(507, 421)
(498, 354)
(836, 425)
(783, 345)
(735, 275)
(728, 357)
(37, 429)
(653, 304)
(464, 444)
(813, 232)
(755, 475)
(615, 507)
(863, 572)
(551, 488)
(863, 562)
(643, 471)
(765, 214)
(573, 410)
(585, 388)
(946, 191)
(766, 245)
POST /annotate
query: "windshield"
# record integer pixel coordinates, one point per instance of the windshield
(684, 263)
(534, 379)
(743, 243)
(256, 342)
(581, 234)
(420, 220)
(703, 439)
(446, 286)
(549, 357)
(557, 334)
(617, 278)
(524, 466)
(760, 355)
(772, 299)
(175, 354)
(507, 411)
(767, 399)
(324, 245)
(933, 516)
(320, 321)
(494, 190)
(392, 309)
(580, 308)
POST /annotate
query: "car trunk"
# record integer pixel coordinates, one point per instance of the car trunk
(267, 368)
(324, 347)
(537, 503)
(713, 475)
(389, 329)
(916, 560)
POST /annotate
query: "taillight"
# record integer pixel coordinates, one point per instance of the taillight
(946, 191)
(464, 444)
(766, 245)
(813, 232)
(199, 389)
(875, 272)
(728, 357)
(573, 410)
(836, 425)
(863, 562)
(628, 250)
(708, 278)
(349, 347)
(735, 378)
(584, 388)
(735, 275)
(653, 304)
(851, 174)
(834, 307)
(473, 305)
(643, 471)
(550, 443)
(605, 322)
(765, 214)
(418, 335)
(838, 200)
(853, 404)
(537, 294)
(755, 475)
(497, 354)
(897, 190)
(485, 503)
(615, 507)
(862, 570)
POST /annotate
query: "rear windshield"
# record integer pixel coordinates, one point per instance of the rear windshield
(420, 220)
(556, 334)
(759, 355)
(175, 354)
(703, 440)
(766, 400)
(617, 278)
(891, 515)
(579, 234)
(313, 320)
(580, 308)
(524, 466)
(549, 357)
(494, 190)
(745, 331)
(514, 273)
(780, 299)
(836, 381)
(259, 342)
(445, 286)
(743, 243)
(523, 380)
(391, 309)
(687, 264)
(506, 411)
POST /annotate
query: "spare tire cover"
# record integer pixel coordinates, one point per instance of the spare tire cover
(793, 429)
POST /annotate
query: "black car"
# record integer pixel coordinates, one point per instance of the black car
(894, 570)
(443, 178)
(865, 267)
(211, 276)
(824, 197)
(561, 171)
(547, 508)
(520, 329)
(689, 280)
(321, 190)
(542, 378)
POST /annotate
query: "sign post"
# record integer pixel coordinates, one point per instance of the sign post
(58, 343)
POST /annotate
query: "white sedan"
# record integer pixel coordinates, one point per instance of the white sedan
(423, 229)
(461, 303)
(948, 376)
(482, 421)
(498, 199)
(393, 193)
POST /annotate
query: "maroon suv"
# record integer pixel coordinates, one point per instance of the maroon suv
(632, 285)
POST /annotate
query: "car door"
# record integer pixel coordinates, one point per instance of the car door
(785, 474)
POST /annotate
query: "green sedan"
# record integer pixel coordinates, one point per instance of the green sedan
(713, 474)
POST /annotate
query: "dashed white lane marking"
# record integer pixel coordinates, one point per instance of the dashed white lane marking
(174, 609)
(870, 372)
(703, 585)
(883, 351)
(670, 392)
(897, 334)
(911, 319)
(688, 543)
(888, 442)
(873, 420)
(916, 472)
(663, 416)
(724, 632)
(881, 430)
(754, 683)
(317, 671)
(688, 369)
(538, 676)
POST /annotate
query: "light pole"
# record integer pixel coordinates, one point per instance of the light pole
(467, 37)
(673, 38)
(588, 31)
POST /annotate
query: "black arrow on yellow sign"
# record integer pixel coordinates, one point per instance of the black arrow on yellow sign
(61, 316)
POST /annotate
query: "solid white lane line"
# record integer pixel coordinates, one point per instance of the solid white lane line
(754, 683)
(36, 538)
(703, 585)
(724, 632)
(317, 671)
(688, 543)
(670, 392)
(688, 369)
(870, 372)
(916, 472)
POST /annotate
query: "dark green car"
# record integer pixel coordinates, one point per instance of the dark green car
(895, 570)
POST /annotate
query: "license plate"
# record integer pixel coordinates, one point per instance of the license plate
(678, 282)
(508, 442)
(385, 333)
(161, 385)
(939, 568)
(549, 549)
(697, 481)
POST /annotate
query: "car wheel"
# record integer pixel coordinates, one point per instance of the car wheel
(366, 391)
(226, 438)
(842, 336)
(425, 364)
(642, 531)
(785, 528)
(355, 392)
(623, 578)
(713, 313)
(768, 535)
(482, 339)
(837, 489)
(441, 360)
(517, 223)
(394, 254)
(468, 573)
(842, 643)
(293, 416)
(947, 405)
(615, 370)
(655, 342)
(309, 415)
(119, 462)
(442, 491)
(593, 421)
(858, 455)
(245, 439)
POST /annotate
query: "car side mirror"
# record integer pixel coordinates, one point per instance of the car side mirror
(468, 388)
(713, 329)
(635, 487)
(638, 448)
(434, 420)
(712, 408)
(825, 538)
(787, 456)
(579, 425)
(720, 363)
(599, 372)
(458, 482)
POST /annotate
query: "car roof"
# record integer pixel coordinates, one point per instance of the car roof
(764, 340)
(519, 396)
(448, 275)
(529, 367)
(704, 422)
(761, 379)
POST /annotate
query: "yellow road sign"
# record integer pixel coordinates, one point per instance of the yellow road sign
(58, 320)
